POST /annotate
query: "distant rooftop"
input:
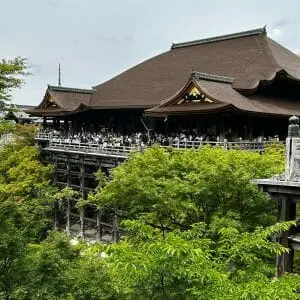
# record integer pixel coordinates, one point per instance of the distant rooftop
(257, 31)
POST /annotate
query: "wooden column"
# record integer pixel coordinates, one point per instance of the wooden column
(82, 173)
(82, 181)
(55, 204)
(287, 212)
(68, 216)
(115, 228)
(68, 211)
(81, 233)
(55, 215)
(54, 178)
(99, 225)
(68, 172)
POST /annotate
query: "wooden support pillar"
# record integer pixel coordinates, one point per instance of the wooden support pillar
(68, 216)
(115, 228)
(55, 215)
(81, 233)
(66, 126)
(55, 204)
(54, 178)
(287, 212)
(82, 178)
(68, 172)
(99, 225)
(55, 123)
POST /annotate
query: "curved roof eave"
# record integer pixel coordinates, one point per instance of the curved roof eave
(255, 85)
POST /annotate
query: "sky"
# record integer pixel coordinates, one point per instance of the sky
(94, 40)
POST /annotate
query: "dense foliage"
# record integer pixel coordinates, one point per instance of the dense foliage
(175, 188)
(24, 208)
(191, 220)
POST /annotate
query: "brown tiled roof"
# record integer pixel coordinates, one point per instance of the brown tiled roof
(66, 100)
(249, 57)
(224, 97)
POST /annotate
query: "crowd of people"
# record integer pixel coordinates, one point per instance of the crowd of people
(139, 139)
(142, 139)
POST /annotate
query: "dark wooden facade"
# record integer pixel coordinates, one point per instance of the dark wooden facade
(245, 79)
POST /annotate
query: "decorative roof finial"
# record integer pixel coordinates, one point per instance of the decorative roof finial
(293, 127)
(265, 29)
(59, 76)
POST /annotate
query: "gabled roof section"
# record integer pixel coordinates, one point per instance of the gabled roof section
(250, 57)
(61, 100)
(221, 38)
(223, 97)
(192, 97)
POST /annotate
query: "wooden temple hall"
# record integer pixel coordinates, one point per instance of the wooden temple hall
(236, 89)
(240, 86)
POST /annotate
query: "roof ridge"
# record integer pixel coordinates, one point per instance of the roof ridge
(68, 89)
(212, 77)
(258, 31)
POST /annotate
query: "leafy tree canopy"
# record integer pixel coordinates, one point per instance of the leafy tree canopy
(196, 228)
(190, 265)
(174, 189)
(12, 72)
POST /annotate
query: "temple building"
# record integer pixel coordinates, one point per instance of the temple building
(242, 85)
(236, 91)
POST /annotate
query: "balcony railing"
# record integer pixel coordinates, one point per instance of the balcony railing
(93, 149)
(55, 143)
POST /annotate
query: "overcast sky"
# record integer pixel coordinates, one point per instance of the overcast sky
(95, 40)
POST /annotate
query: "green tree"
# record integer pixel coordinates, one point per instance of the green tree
(24, 134)
(12, 72)
(25, 210)
(190, 265)
(91, 277)
(174, 188)
(13, 245)
(47, 265)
